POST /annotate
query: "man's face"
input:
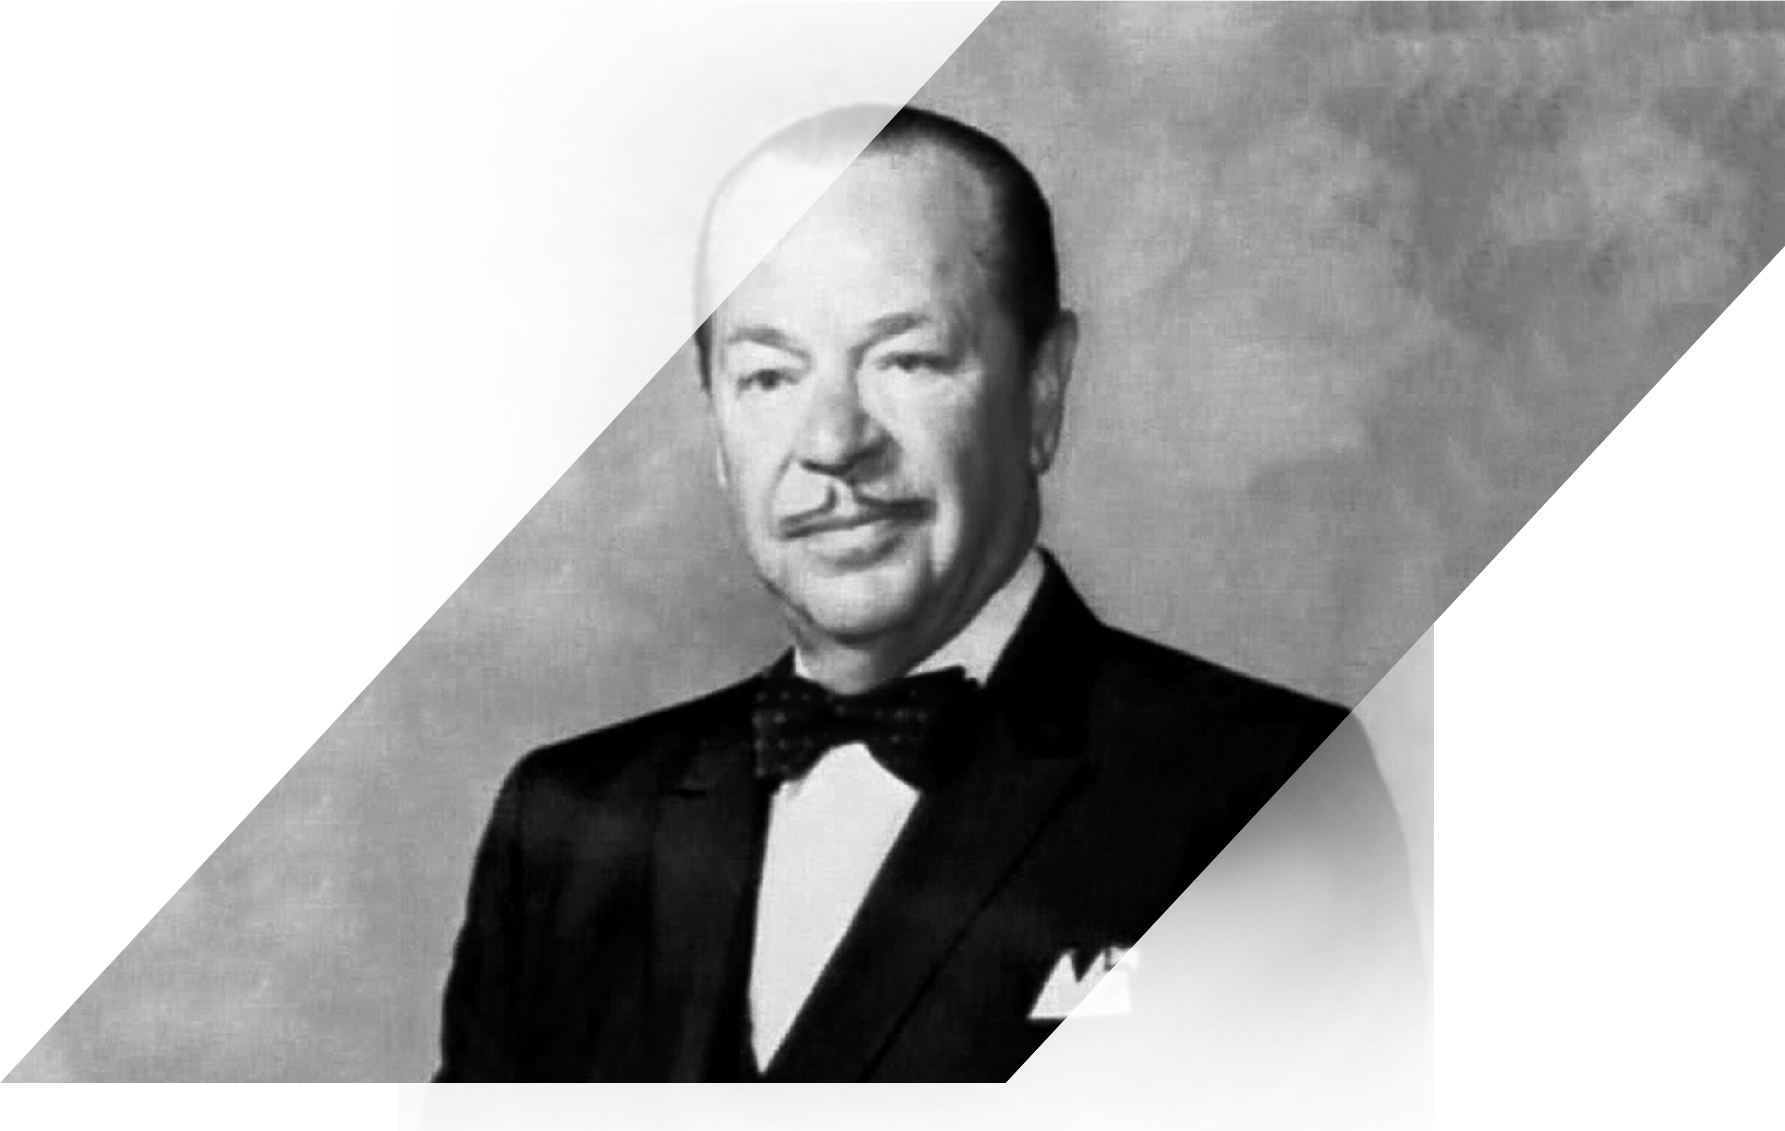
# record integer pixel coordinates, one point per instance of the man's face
(879, 435)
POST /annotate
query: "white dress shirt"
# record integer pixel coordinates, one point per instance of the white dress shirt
(830, 830)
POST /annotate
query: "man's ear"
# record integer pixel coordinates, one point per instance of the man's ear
(720, 473)
(1049, 375)
(719, 470)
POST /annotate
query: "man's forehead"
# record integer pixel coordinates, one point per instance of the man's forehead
(919, 196)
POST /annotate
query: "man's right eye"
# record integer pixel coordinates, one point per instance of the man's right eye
(763, 380)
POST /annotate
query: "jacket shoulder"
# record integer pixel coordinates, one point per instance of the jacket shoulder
(640, 754)
(1147, 675)
(1232, 742)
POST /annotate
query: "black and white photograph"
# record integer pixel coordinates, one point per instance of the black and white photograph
(992, 639)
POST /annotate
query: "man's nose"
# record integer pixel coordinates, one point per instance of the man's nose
(841, 437)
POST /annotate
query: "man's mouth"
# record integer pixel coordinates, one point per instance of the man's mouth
(860, 513)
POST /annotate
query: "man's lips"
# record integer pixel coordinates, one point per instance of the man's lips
(862, 514)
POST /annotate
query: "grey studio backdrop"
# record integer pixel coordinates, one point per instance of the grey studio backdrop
(1361, 286)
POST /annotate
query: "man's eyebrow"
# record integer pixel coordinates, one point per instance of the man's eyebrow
(888, 325)
(763, 336)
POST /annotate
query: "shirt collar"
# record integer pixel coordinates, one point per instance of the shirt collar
(978, 646)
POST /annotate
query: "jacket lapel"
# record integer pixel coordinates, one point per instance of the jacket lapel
(959, 844)
(706, 847)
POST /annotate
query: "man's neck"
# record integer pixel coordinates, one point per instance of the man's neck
(976, 646)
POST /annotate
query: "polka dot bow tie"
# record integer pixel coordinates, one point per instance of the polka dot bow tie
(797, 720)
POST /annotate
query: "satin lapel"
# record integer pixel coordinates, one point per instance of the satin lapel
(706, 848)
(957, 846)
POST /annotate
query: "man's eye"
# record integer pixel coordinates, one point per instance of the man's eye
(916, 362)
(764, 379)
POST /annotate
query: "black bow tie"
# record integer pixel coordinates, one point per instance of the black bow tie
(797, 720)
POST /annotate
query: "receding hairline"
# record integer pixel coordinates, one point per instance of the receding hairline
(1018, 251)
(809, 148)
(980, 218)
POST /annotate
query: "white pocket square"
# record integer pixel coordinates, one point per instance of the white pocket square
(1103, 990)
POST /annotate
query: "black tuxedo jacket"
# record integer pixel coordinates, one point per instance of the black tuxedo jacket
(610, 914)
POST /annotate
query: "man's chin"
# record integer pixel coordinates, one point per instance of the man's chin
(856, 609)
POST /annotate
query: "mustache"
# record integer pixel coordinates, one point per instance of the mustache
(854, 510)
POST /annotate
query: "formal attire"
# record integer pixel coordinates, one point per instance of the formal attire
(831, 829)
(648, 904)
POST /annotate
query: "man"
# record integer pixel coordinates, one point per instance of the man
(906, 848)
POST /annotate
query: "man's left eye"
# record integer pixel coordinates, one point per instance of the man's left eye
(913, 362)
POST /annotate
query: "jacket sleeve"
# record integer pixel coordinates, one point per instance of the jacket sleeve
(1307, 1001)
(477, 1035)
